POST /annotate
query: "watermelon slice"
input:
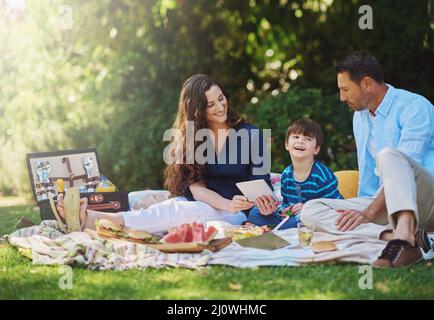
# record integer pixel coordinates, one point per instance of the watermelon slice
(187, 230)
(173, 237)
(182, 233)
(194, 232)
(210, 233)
(198, 232)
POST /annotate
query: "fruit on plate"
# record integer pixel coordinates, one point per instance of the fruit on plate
(194, 232)
(198, 232)
(185, 233)
(242, 232)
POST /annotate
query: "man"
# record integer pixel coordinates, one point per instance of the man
(394, 131)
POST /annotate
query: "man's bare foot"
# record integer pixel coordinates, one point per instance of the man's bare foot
(405, 226)
(410, 238)
(61, 210)
(387, 235)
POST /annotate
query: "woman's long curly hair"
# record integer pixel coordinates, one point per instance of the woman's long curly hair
(192, 106)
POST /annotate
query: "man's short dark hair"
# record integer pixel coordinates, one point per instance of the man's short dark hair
(360, 64)
(306, 127)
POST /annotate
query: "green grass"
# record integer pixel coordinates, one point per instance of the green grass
(19, 279)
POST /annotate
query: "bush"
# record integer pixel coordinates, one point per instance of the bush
(132, 152)
(278, 112)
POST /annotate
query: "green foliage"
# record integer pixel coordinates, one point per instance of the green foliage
(112, 79)
(278, 112)
(133, 149)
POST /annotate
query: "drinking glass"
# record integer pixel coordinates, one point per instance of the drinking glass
(305, 235)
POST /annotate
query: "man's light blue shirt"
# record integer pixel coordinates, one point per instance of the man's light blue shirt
(403, 120)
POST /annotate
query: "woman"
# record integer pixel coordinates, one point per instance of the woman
(201, 192)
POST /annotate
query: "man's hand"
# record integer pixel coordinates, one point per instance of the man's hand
(239, 203)
(266, 204)
(351, 219)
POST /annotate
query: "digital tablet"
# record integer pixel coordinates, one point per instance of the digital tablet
(255, 188)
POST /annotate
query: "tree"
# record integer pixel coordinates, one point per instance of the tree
(108, 73)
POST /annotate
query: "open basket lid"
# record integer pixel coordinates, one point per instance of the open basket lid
(69, 165)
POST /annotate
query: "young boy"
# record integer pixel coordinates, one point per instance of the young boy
(303, 180)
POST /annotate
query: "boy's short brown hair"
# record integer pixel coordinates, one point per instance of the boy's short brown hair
(308, 128)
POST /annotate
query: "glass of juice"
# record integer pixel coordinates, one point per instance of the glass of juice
(305, 235)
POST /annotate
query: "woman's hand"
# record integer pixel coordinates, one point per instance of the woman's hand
(267, 205)
(239, 203)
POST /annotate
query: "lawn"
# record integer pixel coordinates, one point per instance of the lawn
(19, 279)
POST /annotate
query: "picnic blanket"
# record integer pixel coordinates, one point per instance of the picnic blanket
(350, 249)
(46, 244)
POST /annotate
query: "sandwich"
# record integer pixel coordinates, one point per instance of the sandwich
(323, 246)
(140, 236)
(108, 229)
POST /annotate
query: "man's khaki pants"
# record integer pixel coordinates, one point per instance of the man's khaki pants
(407, 186)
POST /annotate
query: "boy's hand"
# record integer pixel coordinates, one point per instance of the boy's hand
(267, 205)
(286, 212)
(296, 208)
(293, 209)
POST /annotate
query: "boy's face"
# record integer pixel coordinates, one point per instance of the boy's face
(301, 146)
